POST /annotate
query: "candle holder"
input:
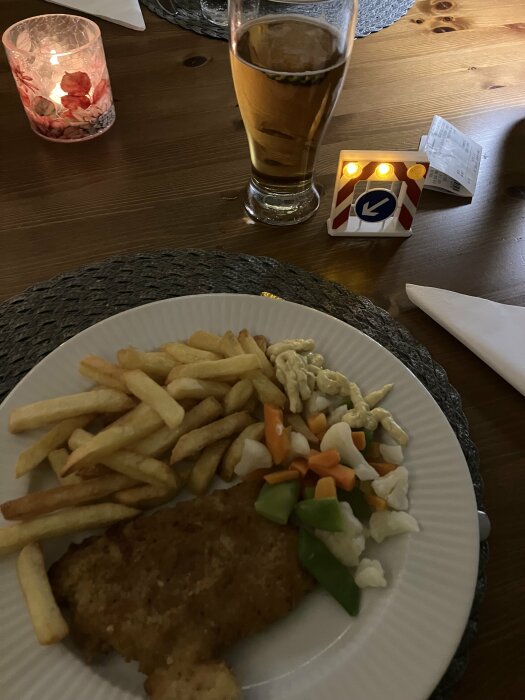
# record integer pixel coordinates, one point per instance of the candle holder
(59, 68)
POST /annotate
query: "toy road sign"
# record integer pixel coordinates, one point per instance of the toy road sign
(377, 193)
(375, 205)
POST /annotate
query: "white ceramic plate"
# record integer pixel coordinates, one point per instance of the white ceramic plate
(402, 641)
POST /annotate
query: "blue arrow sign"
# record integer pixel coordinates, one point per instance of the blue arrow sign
(375, 205)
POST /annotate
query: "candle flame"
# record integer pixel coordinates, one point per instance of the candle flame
(56, 94)
(54, 59)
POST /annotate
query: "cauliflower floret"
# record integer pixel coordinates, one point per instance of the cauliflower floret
(336, 416)
(317, 403)
(347, 546)
(298, 344)
(298, 382)
(254, 455)
(370, 574)
(393, 487)
(364, 471)
(385, 524)
(299, 446)
(339, 437)
(391, 453)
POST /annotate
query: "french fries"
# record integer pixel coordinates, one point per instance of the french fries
(46, 618)
(205, 341)
(198, 439)
(250, 345)
(146, 496)
(155, 396)
(135, 418)
(57, 461)
(238, 396)
(35, 415)
(266, 390)
(255, 431)
(155, 364)
(163, 439)
(262, 342)
(76, 519)
(253, 406)
(206, 465)
(102, 372)
(230, 345)
(133, 465)
(58, 435)
(185, 354)
(188, 388)
(300, 426)
(92, 471)
(136, 424)
(40, 502)
(217, 369)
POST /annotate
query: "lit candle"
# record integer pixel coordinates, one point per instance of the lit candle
(56, 94)
(60, 71)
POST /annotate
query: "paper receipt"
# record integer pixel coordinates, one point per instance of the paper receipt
(454, 159)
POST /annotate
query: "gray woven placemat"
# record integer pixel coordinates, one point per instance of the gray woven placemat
(36, 322)
(373, 15)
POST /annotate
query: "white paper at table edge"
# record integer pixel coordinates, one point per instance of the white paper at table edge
(126, 13)
(460, 315)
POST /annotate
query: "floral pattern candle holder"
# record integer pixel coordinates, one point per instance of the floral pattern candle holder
(60, 71)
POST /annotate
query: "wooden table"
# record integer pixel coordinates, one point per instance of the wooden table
(171, 173)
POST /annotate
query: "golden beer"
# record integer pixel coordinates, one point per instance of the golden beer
(287, 71)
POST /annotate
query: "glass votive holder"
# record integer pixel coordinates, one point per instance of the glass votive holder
(59, 68)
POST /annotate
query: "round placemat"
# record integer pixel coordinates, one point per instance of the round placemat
(36, 322)
(373, 15)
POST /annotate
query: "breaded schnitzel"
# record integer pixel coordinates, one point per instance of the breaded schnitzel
(174, 589)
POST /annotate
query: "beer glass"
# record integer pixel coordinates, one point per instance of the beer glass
(289, 60)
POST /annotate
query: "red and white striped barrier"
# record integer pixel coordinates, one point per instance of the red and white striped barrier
(403, 173)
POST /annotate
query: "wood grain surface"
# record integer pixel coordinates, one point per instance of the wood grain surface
(171, 174)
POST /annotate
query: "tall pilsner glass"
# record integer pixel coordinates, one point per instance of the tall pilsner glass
(289, 61)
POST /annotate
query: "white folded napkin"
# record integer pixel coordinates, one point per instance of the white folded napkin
(124, 12)
(494, 332)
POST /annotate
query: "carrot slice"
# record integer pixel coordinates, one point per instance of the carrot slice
(255, 475)
(280, 476)
(383, 468)
(317, 423)
(344, 476)
(326, 488)
(376, 503)
(277, 437)
(328, 458)
(359, 439)
(300, 465)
